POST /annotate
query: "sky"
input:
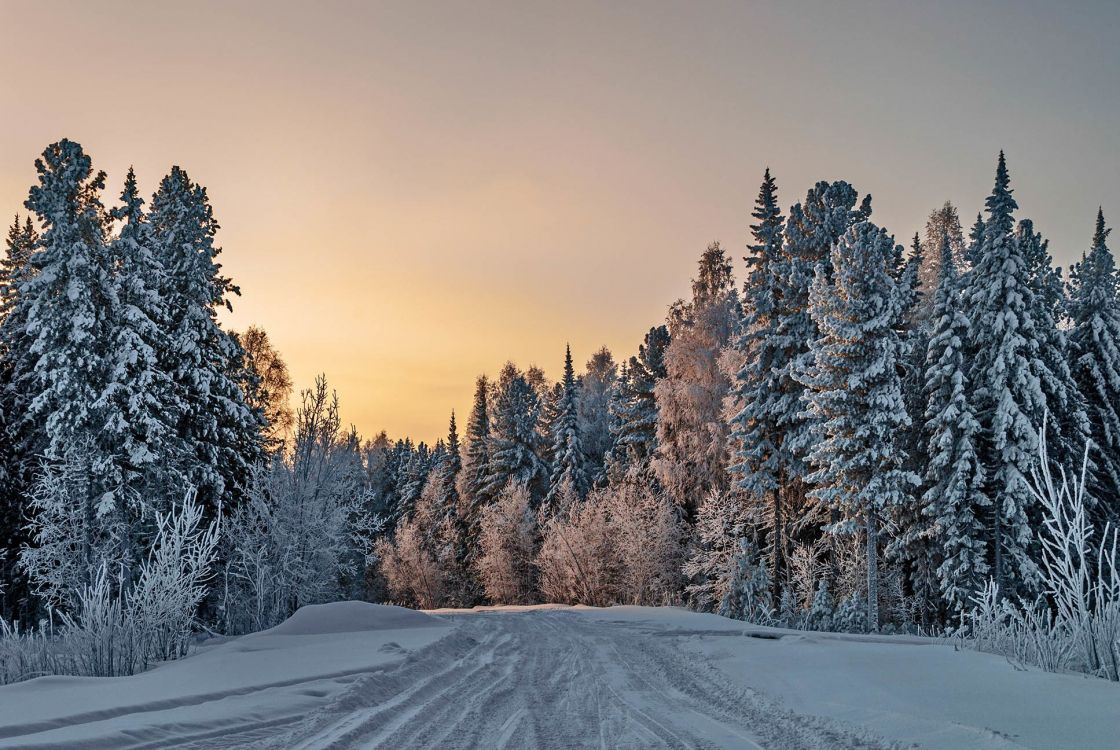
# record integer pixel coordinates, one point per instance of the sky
(413, 193)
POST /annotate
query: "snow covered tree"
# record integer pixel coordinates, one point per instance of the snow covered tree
(568, 471)
(16, 448)
(943, 223)
(954, 503)
(854, 394)
(692, 446)
(301, 536)
(220, 432)
(760, 466)
(593, 408)
(140, 404)
(1094, 309)
(1008, 400)
(1069, 424)
(514, 438)
(635, 408)
(66, 304)
(722, 521)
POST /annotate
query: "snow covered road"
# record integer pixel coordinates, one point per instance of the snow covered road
(556, 679)
(355, 675)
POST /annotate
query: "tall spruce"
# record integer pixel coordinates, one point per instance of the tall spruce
(221, 434)
(854, 399)
(569, 475)
(635, 409)
(515, 450)
(1008, 399)
(1094, 309)
(762, 464)
(954, 502)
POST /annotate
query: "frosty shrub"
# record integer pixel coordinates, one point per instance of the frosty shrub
(300, 535)
(411, 571)
(579, 562)
(111, 628)
(1076, 626)
(507, 543)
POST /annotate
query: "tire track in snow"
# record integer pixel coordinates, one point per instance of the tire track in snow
(546, 679)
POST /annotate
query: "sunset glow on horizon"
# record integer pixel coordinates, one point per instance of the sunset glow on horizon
(410, 196)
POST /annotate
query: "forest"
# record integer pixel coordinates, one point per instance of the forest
(855, 436)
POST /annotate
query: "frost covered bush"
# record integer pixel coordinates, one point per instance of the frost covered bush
(300, 536)
(111, 627)
(507, 544)
(411, 570)
(1076, 625)
(619, 546)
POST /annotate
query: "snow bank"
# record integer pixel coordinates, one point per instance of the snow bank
(261, 680)
(351, 617)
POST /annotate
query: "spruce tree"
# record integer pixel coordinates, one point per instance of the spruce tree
(854, 394)
(66, 303)
(593, 397)
(1094, 309)
(220, 434)
(812, 228)
(635, 408)
(140, 400)
(1068, 425)
(569, 476)
(514, 440)
(761, 463)
(954, 502)
(1007, 398)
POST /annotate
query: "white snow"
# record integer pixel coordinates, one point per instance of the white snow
(361, 675)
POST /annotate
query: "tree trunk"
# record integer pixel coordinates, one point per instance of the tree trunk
(872, 573)
(777, 546)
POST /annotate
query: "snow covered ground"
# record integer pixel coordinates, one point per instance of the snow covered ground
(360, 675)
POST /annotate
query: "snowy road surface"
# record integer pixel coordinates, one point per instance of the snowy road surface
(353, 675)
(555, 679)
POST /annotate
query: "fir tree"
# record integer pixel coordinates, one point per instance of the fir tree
(222, 436)
(593, 409)
(569, 477)
(635, 407)
(1008, 399)
(139, 399)
(954, 502)
(1095, 356)
(761, 464)
(854, 393)
(514, 439)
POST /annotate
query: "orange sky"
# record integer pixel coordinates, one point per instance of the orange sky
(411, 194)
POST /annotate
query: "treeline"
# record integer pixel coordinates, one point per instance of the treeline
(845, 441)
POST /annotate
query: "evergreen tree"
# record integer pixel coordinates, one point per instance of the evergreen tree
(1095, 356)
(954, 503)
(635, 407)
(16, 466)
(221, 434)
(569, 477)
(1068, 426)
(1008, 399)
(761, 462)
(514, 439)
(854, 394)
(943, 223)
(66, 303)
(139, 399)
(593, 408)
